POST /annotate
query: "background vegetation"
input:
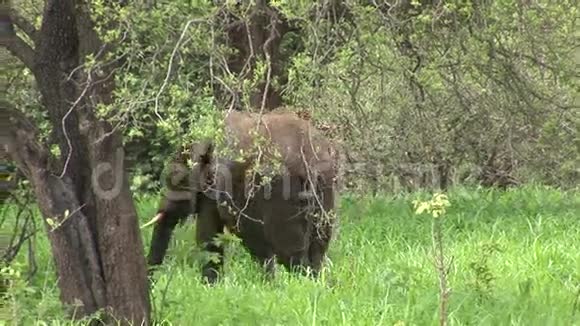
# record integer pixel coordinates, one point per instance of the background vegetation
(483, 91)
(515, 262)
(472, 96)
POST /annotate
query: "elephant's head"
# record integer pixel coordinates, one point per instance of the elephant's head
(184, 185)
(185, 180)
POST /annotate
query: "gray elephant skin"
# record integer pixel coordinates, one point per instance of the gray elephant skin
(271, 181)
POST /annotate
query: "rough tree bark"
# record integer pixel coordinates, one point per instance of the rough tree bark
(257, 36)
(83, 193)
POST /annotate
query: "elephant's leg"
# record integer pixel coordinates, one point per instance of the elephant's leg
(209, 225)
(269, 265)
(319, 246)
(297, 262)
(173, 213)
(160, 241)
(321, 230)
(260, 249)
(268, 262)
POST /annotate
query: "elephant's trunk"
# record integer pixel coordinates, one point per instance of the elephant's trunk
(200, 156)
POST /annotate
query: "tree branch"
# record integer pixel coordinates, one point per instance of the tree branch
(21, 50)
(16, 45)
(22, 144)
(23, 24)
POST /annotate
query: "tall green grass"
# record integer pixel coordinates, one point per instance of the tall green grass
(516, 261)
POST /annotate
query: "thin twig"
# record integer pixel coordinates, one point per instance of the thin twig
(170, 65)
(444, 291)
(63, 124)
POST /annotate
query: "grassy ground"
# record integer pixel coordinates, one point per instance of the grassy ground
(516, 261)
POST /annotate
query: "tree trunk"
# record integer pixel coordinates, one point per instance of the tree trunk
(83, 194)
(259, 38)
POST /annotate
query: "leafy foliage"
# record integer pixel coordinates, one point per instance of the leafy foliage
(481, 91)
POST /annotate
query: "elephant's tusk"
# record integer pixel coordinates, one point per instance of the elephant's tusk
(155, 219)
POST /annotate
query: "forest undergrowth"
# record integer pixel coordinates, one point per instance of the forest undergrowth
(515, 261)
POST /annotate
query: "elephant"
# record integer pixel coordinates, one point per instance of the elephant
(270, 180)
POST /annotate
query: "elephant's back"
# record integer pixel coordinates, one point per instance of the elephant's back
(301, 146)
